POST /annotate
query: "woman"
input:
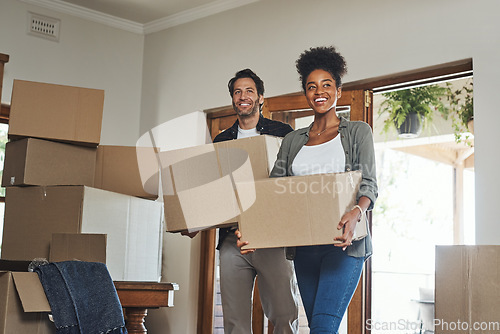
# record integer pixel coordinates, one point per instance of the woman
(328, 274)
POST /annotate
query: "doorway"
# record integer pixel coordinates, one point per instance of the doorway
(426, 198)
(294, 110)
(216, 117)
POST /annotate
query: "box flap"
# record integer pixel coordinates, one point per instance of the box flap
(128, 170)
(15, 162)
(31, 292)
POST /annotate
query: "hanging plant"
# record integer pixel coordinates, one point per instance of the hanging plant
(419, 103)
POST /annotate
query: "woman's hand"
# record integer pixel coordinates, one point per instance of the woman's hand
(349, 220)
(348, 224)
(240, 243)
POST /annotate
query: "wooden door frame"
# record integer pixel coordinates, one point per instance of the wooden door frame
(4, 108)
(295, 101)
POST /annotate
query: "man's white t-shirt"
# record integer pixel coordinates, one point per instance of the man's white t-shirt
(243, 133)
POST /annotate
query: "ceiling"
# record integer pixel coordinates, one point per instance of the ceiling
(140, 11)
(142, 16)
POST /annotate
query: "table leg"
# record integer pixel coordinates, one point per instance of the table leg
(134, 317)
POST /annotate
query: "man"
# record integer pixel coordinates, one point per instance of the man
(277, 284)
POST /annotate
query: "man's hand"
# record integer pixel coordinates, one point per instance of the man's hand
(189, 234)
(240, 243)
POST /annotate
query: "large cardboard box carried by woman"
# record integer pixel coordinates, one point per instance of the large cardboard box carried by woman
(298, 210)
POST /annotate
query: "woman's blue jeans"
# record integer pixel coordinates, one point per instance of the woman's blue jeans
(327, 278)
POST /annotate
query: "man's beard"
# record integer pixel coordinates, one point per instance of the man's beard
(253, 111)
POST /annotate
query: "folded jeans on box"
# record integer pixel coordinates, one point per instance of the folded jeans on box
(82, 298)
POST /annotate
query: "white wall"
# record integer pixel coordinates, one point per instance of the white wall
(181, 256)
(186, 68)
(88, 55)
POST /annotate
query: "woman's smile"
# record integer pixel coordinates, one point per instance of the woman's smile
(321, 91)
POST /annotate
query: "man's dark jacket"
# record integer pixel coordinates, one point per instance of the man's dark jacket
(266, 127)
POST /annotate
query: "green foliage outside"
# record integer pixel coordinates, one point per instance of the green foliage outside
(448, 102)
(461, 108)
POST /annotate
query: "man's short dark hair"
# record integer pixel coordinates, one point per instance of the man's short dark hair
(246, 73)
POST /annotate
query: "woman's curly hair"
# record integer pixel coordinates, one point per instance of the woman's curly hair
(321, 58)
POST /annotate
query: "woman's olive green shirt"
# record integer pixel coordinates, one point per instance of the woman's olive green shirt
(357, 142)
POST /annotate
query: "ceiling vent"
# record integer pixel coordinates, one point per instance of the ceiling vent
(43, 26)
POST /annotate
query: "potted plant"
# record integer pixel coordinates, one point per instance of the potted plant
(409, 109)
(461, 109)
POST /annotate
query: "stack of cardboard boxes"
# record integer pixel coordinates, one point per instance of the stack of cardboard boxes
(67, 198)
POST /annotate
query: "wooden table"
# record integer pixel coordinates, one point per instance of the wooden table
(137, 297)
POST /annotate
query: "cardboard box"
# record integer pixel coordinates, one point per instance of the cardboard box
(23, 305)
(467, 289)
(198, 182)
(40, 162)
(296, 210)
(133, 226)
(78, 246)
(62, 113)
(118, 170)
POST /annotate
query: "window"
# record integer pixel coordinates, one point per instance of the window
(426, 198)
(293, 101)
